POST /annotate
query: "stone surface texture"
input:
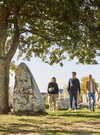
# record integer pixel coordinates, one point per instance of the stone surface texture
(26, 94)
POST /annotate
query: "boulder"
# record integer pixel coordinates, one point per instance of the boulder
(26, 94)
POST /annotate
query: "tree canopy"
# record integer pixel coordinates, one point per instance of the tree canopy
(50, 29)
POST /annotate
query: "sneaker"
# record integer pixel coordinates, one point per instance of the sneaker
(75, 110)
(50, 109)
(93, 110)
(70, 109)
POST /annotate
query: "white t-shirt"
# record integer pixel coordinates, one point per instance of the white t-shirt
(91, 86)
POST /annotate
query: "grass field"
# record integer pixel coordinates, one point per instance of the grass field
(63, 122)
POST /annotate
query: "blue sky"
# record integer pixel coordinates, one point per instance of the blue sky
(43, 72)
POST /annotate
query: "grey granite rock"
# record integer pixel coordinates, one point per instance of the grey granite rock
(26, 94)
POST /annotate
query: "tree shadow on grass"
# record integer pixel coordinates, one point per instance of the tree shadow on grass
(12, 130)
(33, 126)
(47, 122)
(79, 115)
(69, 132)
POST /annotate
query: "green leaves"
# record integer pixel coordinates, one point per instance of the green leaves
(55, 29)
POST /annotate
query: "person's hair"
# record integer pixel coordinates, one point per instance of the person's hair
(90, 75)
(74, 73)
(54, 78)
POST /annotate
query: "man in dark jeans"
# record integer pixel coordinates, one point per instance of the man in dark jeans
(74, 90)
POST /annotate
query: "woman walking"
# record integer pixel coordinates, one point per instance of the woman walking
(53, 91)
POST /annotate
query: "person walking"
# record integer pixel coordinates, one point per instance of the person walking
(98, 99)
(91, 90)
(53, 91)
(74, 90)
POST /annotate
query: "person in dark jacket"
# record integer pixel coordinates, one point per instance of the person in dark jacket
(53, 91)
(74, 90)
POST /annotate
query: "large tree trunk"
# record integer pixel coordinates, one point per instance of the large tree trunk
(4, 85)
(7, 51)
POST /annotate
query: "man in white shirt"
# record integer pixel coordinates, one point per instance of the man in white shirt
(91, 86)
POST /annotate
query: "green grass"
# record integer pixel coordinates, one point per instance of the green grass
(62, 122)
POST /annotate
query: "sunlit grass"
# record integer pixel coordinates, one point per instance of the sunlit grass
(62, 122)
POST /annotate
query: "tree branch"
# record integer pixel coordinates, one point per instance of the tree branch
(4, 15)
(15, 39)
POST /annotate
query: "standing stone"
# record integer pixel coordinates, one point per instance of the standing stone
(26, 95)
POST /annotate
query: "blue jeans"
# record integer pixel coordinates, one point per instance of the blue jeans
(73, 96)
(92, 100)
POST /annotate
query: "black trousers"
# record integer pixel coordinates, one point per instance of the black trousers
(73, 97)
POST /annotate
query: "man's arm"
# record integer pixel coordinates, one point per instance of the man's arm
(48, 87)
(57, 88)
(68, 86)
(79, 87)
(96, 87)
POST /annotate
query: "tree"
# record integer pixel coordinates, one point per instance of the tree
(49, 29)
